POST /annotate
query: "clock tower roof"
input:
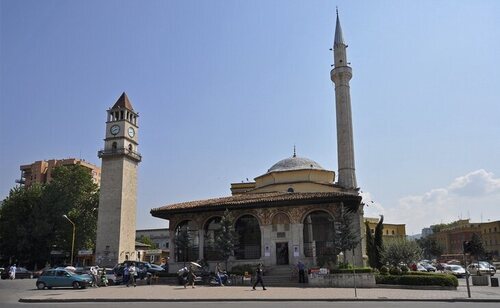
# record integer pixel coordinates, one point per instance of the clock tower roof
(123, 102)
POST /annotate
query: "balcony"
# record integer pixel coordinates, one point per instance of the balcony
(136, 156)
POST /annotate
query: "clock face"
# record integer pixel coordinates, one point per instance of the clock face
(115, 129)
(131, 132)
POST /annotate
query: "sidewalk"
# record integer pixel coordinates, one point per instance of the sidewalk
(165, 293)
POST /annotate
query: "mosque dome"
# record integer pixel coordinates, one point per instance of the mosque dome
(295, 163)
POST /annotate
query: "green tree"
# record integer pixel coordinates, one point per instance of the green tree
(147, 240)
(370, 246)
(375, 244)
(23, 232)
(401, 250)
(379, 241)
(226, 239)
(73, 193)
(345, 237)
(32, 222)
(430, 247)
(476, 247)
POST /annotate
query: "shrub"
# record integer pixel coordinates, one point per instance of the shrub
(419, 280)
(384, 270)
(395, 270)
(405, 269)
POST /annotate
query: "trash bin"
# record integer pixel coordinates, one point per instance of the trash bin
(494, 282)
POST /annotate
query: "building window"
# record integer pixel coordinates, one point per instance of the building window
(392, 232)
(290, 190)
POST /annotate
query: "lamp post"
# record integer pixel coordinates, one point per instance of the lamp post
(73, 241)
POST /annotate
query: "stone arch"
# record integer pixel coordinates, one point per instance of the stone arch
(247, 226)
(319, 234)
(210, 229)
(186, 240)
(280, 220)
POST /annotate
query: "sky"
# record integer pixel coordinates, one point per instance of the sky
(225, 89)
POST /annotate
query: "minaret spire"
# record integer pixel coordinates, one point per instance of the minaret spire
(339, 38)
(341, 74)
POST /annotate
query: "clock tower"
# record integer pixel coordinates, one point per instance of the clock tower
(118, 194)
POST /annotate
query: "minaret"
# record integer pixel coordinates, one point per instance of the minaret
(118, 193)
(340, 75)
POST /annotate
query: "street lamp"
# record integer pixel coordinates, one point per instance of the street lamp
(73, 241)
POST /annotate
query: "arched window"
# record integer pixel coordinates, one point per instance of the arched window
(186, 241)
(113, 147)
(248, 230)
(212, 229)
(319, 233)
(281, 222)
(130, 148)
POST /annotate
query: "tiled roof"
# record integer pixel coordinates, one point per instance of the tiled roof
(123, 102)
(252, 199)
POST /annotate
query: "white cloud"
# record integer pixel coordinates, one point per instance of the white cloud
(475, 195)
(476, 183)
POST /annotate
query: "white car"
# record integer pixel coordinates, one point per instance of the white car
(456, 270)
(480, 269)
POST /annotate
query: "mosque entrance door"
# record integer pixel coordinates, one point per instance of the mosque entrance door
(282, 253)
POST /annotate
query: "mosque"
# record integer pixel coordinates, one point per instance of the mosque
(288, 213)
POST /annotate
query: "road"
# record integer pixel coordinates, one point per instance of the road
(11, 291)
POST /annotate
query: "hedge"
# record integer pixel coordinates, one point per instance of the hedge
(359, 270)
(418, 280)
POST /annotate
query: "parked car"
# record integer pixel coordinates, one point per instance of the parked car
(62, 278)
(456, 270)
(428, 267)
(490, 266)
(480, 269)
(420, 268)
(39, 272)
(144, 269)
(21, 273)
(110, 276)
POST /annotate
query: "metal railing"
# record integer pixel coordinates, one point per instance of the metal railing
(132, 154)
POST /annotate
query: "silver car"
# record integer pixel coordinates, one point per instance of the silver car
(479, 269)
(455, 270)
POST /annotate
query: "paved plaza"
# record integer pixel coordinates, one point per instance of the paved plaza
(206, 293)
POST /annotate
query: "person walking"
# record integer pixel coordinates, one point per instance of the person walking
(126, 274)
(191, 276)
(301, 267)
(258, 274)
(133, 273)
(93, 272)
(12, 272)
(218, 273)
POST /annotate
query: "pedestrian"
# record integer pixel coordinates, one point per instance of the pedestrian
(12, 272)
(126, 274)
(218, 273)
(95, 276)
(258, 275)
(301, 268)
(191, 276)
(133, 273)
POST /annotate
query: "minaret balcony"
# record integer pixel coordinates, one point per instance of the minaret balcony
(120, 152)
